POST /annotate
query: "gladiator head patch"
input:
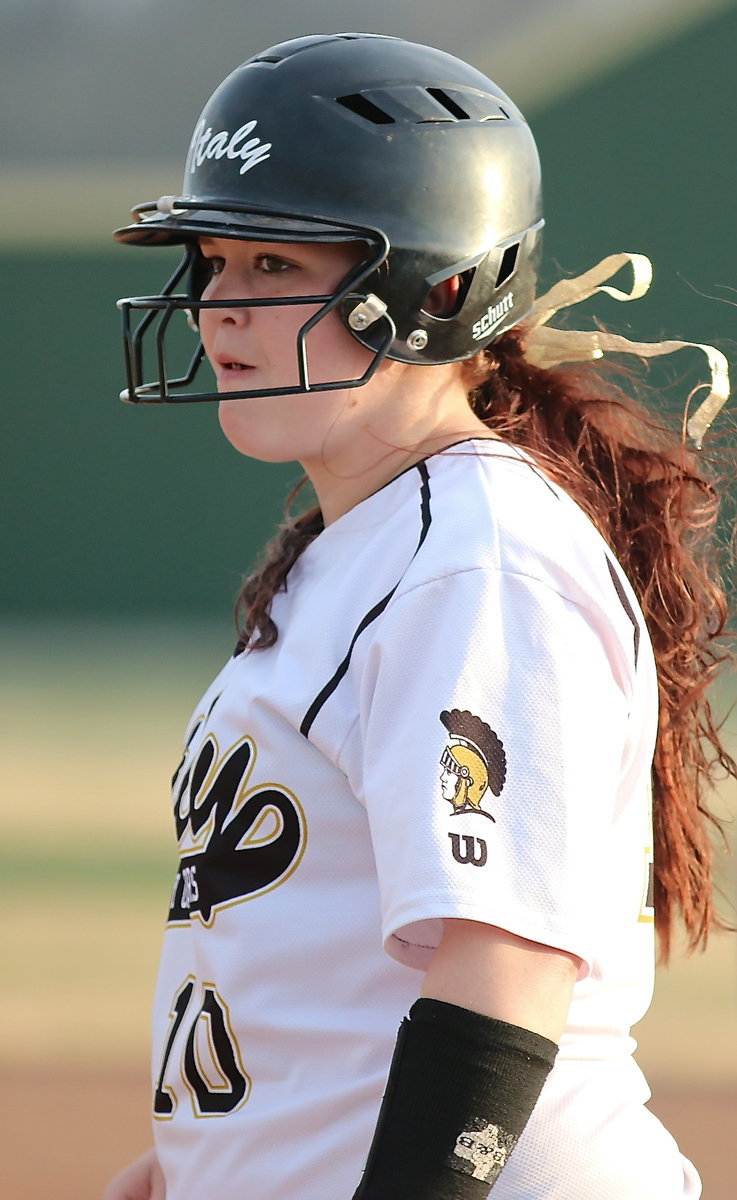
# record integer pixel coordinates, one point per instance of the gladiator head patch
(472, 763)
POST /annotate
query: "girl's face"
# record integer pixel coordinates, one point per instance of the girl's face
(257, 348)
(349, 441)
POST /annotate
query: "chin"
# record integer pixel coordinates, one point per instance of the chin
(255, 433)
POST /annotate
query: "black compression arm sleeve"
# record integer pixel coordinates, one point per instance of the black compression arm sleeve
(461, 1088)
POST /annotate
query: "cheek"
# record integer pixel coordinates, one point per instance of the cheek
(333, 353)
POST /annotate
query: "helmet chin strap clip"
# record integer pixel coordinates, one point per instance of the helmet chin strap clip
(167, 206)
(366, 313)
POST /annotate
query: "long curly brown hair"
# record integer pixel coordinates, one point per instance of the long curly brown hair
(656, 502)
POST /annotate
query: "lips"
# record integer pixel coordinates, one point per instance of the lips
(227, 367)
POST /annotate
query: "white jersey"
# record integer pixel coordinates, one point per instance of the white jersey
(457, 720)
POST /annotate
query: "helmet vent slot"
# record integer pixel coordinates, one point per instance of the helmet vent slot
(449, 104)
(507, 265)
(365, 108)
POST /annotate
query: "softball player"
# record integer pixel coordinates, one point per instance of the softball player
(418, 796)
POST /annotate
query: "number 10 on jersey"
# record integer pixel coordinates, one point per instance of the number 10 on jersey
(211, 1066)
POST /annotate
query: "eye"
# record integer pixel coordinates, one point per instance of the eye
(272, 264)
(214, 265)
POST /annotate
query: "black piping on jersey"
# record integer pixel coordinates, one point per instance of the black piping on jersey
(616, 580)
(625, 602)
(373, 613)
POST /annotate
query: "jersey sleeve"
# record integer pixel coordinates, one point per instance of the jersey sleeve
(494, 716)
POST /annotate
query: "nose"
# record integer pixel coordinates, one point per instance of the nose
(225, 288)
(233, 316)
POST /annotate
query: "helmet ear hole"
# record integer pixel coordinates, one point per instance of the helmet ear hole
(445, 299)
(442, 299)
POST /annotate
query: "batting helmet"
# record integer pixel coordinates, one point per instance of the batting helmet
(368, 138)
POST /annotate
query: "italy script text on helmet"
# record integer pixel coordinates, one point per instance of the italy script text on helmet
(206, 144)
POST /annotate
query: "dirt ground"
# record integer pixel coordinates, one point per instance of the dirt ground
(64, 1135)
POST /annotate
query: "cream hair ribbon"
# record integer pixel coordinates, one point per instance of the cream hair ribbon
(546, 347)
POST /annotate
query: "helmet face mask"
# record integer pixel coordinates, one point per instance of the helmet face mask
(356, 137)
(154, 328)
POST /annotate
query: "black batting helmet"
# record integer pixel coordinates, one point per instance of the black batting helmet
(357, 137)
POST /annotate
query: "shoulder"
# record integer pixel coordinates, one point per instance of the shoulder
(490, 506)
(501, 534)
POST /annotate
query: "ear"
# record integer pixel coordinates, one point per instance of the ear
(442, 299)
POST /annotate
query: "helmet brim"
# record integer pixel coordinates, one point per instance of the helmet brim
(185, 224)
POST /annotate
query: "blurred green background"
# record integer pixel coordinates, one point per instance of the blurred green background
(119, 510)
(126, 531)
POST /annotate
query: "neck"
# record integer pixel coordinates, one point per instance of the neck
(338, 494)
(371, 443)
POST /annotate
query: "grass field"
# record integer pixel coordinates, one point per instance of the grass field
(92, 725)
(91, 730)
